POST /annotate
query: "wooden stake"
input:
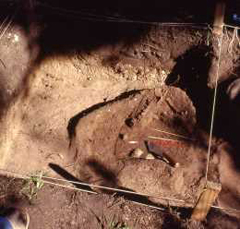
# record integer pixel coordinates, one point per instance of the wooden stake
(219, 17)
(205, 201)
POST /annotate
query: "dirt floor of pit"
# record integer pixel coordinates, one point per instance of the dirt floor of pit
(104, 139)
(45, 85)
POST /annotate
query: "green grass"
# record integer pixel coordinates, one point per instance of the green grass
(118, 225)
(32, 186)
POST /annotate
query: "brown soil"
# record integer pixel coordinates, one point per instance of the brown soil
(102, 147)
(70, 209)
(54, 207)
(72, 101)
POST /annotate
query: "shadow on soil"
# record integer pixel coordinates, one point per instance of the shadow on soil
(108, 177)
(66, 175)
(87, 25)
(190, 74)
(74, 120)
(61, 28)
(10, 194)
(227, 121)
(218, 219)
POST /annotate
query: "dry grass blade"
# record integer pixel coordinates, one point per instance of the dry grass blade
(7, 26)
(3, 23)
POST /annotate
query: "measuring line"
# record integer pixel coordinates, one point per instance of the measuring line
(21, 176)
(231, 26)
(97, 17)
(213, 109)
(148, 205)
(17, 175)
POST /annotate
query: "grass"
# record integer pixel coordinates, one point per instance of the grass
(114, 223)
(118, 225)
(32, 186)
(110, 222)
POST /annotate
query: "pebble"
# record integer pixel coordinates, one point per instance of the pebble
(16, 38)
(150, 157)
(133, 142)
(177, 165)
(136, 153)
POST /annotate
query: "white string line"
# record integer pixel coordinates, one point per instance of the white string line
(119, 19)
(79, 13)
(148, 205)
(98, 17)
(20, 176)
(7, 173)
(91, 16)
(165, 24)
(231, 26)
(69, 187)
(118, 190)
(114, 18)
(87, 191)
(122, 190)
(213, 108)
(126, 20)
(25, 177)
(226, 209)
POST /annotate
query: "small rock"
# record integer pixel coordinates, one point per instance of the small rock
(15, 38)
(136, 153)
(133, 142)
(177, 165)
(150, 156)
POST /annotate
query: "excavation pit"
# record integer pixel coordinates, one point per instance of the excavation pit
(162, 119)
